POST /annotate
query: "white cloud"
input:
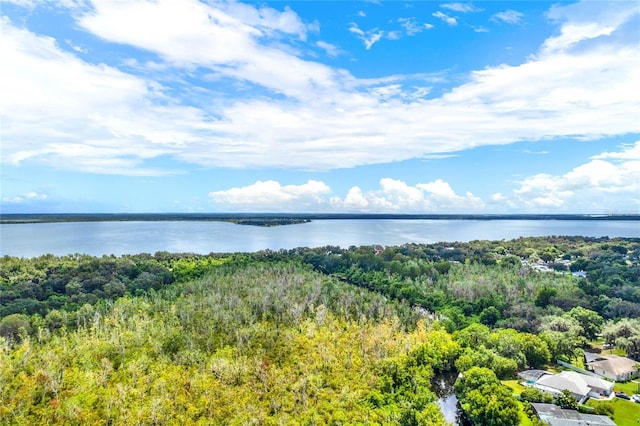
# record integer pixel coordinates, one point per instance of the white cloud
(353, 201)
(85, 114)
(28, 4)
(392, 196)
(578, 24)
(508, 16)
(271, 196)
(329, 48)
(449, 20)
(369, 38)
(25, 198)
(461, 7)
(233, 39)
(595, 186)
(61, 111)
(397, 196)
(412, 27)
(629, 152)
(393, 35)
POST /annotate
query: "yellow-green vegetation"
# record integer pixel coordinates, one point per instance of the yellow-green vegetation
(625, 413)
(263, 345)
(514, 385)
(524, 419)
(485, 400)
(630, 387)
(307, 336)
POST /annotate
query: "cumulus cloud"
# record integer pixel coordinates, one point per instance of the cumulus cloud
(608, 179)
(508, 16)
(353, 201)
(271, 196)
(61, 111)
(25, 198)
(315, 196)
(629, 152)
(449, 20)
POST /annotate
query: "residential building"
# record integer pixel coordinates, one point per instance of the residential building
(614, 367)
(556, 416)
(581, 386)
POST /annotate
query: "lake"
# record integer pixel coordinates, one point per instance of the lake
(105, 238)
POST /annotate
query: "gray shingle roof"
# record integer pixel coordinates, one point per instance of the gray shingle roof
(618, 365)
(557, 416)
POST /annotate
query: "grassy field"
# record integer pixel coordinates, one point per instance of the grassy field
(629, 387)
(515, 387)
(625, 413)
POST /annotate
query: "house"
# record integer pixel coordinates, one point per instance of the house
(590, 357)
(581, 386)
(556, 416)
(530, 377)
(614, 367)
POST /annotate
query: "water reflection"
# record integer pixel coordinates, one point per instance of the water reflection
(98, 238)
(442, 386)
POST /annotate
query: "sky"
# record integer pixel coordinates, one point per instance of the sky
(320, 106)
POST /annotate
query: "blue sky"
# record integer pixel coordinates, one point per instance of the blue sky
(332, 106)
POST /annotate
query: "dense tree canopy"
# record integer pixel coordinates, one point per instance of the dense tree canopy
(324, 336)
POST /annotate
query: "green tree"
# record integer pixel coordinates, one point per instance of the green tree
(531, 394)
(472, 336)
(15, 326)
(544, 295)
(485, 400)
(566, 400)
(590, 321)
(489, 316)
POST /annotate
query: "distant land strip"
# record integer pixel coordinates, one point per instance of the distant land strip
(276, 219)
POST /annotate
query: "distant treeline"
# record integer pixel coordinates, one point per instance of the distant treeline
(495, 282)
(273, 219)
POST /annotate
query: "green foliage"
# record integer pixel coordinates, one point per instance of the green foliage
(485, 400)
(589, 320)
(269, 343)
(46, 283)
(307, 336)
(604, 408)
(624, 334)
(566, 400)
(489, 316)
(504, 351)
(544, 295)
(15, 327)
(189, 268)
(531, 394)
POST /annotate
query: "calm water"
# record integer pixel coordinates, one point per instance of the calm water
(99, 238)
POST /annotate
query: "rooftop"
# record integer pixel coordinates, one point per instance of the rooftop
(557, 416)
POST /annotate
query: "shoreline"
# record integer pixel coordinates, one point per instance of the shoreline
(277, 219)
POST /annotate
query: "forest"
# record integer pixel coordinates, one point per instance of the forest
(324, 335)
